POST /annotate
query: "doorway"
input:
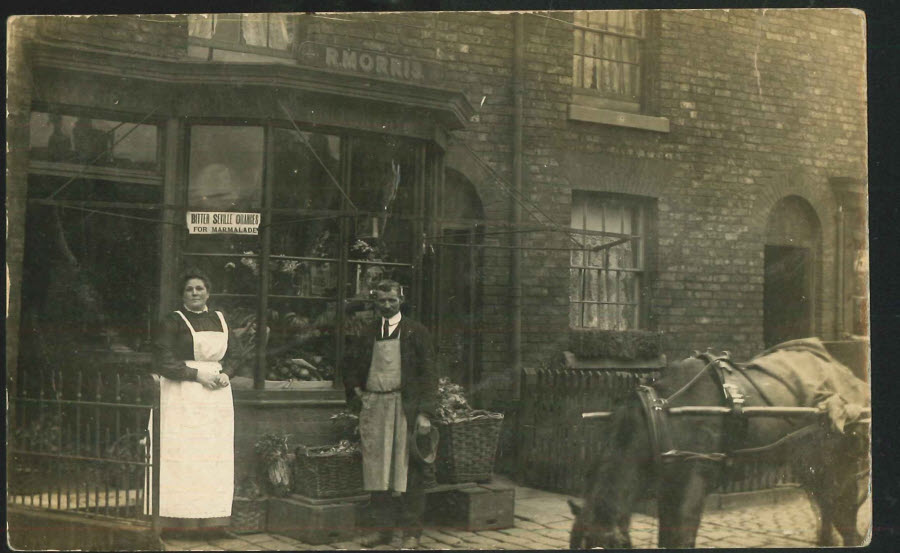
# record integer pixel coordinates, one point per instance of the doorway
(786, 294)
(792, 272)
(457, 299)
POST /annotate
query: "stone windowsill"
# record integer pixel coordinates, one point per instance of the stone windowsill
(589, 114)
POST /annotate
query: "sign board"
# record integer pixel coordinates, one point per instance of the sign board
(367, 62)
(222, 222)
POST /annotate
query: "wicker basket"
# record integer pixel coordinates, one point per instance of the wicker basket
(466, 450)
(248, 516)
(337, 475)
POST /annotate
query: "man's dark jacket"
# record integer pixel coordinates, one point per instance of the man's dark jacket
(418, 376)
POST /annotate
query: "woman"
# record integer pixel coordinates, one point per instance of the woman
(196, 479)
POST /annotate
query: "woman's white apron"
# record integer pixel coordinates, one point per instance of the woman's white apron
(382, 424)
(196, 475)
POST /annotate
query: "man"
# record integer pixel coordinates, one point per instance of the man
(393, 385)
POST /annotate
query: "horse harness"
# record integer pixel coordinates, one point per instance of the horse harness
(725, 374)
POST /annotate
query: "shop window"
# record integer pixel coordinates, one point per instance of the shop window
(342, 218)
(81, 140)
(91, 261)
(225, 167)
(607, 272)
(382, 187)
(607, 59)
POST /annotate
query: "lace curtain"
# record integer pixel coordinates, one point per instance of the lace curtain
(596, 274)
(267, 30)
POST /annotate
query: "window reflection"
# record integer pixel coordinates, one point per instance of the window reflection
(225, 168)
(100, 142)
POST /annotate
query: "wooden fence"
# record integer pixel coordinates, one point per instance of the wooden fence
(556, 446)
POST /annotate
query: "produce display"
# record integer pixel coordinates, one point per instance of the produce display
(454, 407)
(343, 447)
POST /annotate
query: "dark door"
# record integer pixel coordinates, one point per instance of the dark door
(786, 294)
(458, 306)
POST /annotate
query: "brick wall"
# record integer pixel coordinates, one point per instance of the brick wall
(18, 109)
(762, 104)
(152, 35)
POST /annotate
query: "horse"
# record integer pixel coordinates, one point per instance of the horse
(629, 468)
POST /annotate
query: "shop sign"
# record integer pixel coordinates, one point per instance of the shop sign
(367, 62)
(222, 222)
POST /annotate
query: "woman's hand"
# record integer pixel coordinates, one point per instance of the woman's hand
(222, 380)
(209, 380)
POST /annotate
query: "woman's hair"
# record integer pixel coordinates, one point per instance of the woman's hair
(188, 274)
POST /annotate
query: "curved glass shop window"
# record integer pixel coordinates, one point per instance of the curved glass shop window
(225, 174)
(305, 256)
(92, 237)
(331, 238)
(383, 182)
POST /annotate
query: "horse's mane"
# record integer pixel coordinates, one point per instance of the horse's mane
(603, 470)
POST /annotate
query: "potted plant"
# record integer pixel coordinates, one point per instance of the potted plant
(275, 463)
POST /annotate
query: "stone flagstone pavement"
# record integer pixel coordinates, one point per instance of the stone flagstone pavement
(543, 521)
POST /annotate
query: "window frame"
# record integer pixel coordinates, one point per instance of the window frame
(241, 45)
(598, 96)
(345, 263)
(644, 209)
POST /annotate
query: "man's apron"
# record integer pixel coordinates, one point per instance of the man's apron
(196, 475)
(382, 425)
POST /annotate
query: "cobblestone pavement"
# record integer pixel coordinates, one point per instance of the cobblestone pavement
(543, 521)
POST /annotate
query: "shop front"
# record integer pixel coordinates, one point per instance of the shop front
(294, 186)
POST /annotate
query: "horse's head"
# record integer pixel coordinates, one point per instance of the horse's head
(620, 475)
(593, 529)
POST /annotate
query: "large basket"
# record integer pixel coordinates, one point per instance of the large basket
(248, 516)
(466, 450)
(337, 475)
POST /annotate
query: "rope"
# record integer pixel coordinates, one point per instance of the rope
(316, 155)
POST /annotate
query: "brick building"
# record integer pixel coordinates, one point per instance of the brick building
(700, 175)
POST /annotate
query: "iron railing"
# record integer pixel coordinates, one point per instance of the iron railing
(79, 441)
(557, 444)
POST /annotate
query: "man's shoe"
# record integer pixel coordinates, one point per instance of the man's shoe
(410, 542)
(376, 538)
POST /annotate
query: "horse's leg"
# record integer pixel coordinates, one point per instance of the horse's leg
(680, 506)
(823, 500)
(845, 500)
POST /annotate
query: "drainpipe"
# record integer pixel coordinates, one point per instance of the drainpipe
(840, 272)
(516, 240)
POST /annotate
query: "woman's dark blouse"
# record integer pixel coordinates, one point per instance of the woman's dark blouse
(173, 344)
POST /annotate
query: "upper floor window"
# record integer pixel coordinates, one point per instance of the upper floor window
(607, 273)
(607, 57)
(243, 31)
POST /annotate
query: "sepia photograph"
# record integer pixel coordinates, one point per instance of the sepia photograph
(473, 280)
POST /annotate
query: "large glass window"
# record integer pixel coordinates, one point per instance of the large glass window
(91, 264)
(343, 216)
(606, 273)
(95, 142)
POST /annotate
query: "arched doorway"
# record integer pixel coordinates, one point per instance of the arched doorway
(458, 280)
(792, 262)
